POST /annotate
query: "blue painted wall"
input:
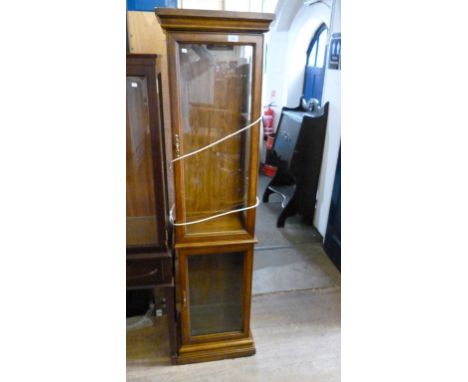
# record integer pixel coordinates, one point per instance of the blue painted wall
(149, 5)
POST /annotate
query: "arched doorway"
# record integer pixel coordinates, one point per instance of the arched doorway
(315, 65)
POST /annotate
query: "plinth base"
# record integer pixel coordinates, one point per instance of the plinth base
(213, 351)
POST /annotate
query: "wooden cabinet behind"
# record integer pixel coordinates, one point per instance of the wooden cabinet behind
(146, 187)
(215, 82)
(149, 257)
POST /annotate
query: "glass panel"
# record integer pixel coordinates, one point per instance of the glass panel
(312, 55)
(321, 50)
(141, 217)
(215, 96)
(216, 290)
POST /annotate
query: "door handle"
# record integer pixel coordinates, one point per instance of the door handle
(184, 299)
(177, 145)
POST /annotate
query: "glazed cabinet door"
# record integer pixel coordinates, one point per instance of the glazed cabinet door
(216, 291)
(145, 181)
(217, 92)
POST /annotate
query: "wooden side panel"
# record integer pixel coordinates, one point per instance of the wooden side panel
(144, 33)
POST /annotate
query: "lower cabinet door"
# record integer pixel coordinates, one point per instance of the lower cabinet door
(216, 292)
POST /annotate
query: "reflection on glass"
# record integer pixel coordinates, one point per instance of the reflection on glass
(215, 97)
(215, 290)
(321, 49)
(312, 56)
(141, 219)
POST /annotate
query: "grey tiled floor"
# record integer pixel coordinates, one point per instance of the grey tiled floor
(289, 258)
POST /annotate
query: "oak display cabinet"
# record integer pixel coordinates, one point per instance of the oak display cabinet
(149, 257)
(215, 76)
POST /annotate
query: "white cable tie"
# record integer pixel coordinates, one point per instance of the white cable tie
(216, 142)
(171, 216)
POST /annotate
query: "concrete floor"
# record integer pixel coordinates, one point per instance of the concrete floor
(289, 258)
(295, 315)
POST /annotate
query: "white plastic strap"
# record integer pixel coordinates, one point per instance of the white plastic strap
(218, 141)
(171, 216)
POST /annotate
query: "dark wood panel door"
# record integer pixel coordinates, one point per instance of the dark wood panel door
(146, 210)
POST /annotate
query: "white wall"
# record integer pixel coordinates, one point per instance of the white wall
(275, 64)
(286, 58)
(331, 93)
(230, 5)
(201, 4)
(273, 78)
(288, 41)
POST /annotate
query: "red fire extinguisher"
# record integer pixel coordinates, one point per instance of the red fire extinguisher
(268, 121)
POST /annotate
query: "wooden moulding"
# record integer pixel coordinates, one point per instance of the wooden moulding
(173, 19)
(214, 351)
(216, 243)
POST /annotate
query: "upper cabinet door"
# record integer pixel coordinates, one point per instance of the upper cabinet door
(145, 182)
(216, 92)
